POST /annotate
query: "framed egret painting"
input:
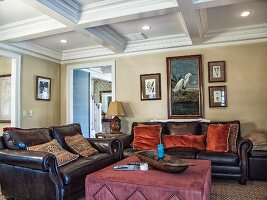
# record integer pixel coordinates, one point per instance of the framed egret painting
(150, 87)
(184, 81)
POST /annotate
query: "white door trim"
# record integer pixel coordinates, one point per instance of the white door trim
(15, 86)
(69, 83)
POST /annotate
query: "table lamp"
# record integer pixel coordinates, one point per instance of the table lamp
(115, 109)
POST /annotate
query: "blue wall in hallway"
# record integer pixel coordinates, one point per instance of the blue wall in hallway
(81, 96)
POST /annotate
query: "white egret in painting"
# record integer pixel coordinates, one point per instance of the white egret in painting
(181, 84)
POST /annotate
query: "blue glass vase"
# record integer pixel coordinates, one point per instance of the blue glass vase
(160, 151)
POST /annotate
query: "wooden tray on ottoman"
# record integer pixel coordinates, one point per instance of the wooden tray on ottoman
(167, 164)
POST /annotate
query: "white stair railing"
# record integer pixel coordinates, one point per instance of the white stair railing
(95, 117)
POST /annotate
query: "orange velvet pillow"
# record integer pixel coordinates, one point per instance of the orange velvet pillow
(217, 138)
(146, 137)
(192, 141)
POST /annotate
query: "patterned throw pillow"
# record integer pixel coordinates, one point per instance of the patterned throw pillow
(63, 157)
(80, 145)
(234, 128)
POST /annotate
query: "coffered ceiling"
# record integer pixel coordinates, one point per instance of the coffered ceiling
(95, 28)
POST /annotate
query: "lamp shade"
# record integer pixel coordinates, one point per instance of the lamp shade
(115, 108)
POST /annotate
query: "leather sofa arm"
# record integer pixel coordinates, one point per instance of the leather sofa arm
(243, 149)
(110, 146)
(29, 159)
(127, 140)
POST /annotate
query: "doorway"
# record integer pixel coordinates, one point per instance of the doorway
(15, 87)
(94, 74)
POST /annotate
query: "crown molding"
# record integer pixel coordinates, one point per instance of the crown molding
(143, 45)
(200, 4)
(95, 13)
(236, 34)
(67, 8)
(33, 50)
(86, 52)
(162, 42)
(37, 25)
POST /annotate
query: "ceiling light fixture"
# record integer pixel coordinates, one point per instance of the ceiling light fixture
(64, 41)
(146, 27)
(245, 13)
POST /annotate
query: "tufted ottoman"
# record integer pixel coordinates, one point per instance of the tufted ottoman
(194, 183)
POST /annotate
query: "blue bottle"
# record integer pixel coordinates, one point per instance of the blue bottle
(161, 153)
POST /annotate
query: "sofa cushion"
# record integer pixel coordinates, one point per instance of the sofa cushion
(259, 141)
(162, 124)
(183, 128)
(22, 138)
(146, 137)
(217, 138)
(80, 145)
(219, 158)
(78, 169)
(192, 141)
(60, 132)
(63, 157)
(189, 153)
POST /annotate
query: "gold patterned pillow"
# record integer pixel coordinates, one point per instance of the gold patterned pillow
(63, 157)
(80, 145)
(234, 128)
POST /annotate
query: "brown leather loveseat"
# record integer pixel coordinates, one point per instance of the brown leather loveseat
(26, 174)
(224, 164)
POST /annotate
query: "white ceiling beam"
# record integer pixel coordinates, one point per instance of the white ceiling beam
(113, 42)
(67, 8)
(114, 11)
(104, 33)
(31, 28)
(193, 22)
(201, 4)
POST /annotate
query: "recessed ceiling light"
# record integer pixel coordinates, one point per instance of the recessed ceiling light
(245, 13)
(146, 27)
(64, 41)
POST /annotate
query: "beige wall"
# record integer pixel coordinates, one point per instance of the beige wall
(45, 113)
(5, 68)
(246, 68)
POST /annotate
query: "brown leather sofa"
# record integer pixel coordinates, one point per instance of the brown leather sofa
(35, 175)
(226, 165)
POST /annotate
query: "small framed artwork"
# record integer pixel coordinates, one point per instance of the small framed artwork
(217, 96)
(43, 88)
(217, 71)
(150, 86)
(5, 98)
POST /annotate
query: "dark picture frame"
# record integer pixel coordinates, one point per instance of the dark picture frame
(43, 88)
(217, 71)
(185, 89)
(5, 98)
(218, 96)
(150, 86)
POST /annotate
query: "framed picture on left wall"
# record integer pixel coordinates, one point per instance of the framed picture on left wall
(43, 88)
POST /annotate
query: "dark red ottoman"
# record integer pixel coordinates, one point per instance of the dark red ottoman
(107, 184)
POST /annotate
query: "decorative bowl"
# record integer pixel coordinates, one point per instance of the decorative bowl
(167, 164)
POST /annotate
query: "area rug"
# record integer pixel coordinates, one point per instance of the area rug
(231, 190)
